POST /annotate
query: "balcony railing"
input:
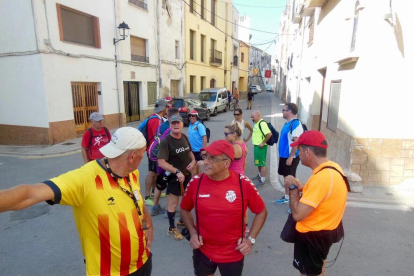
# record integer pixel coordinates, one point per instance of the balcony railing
(216, 58)
(138, 3)
(139, 58)
(235, 61)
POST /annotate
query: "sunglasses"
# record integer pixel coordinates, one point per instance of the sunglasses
(227, 133)
(285, 110)
(211, 158)
(192, 115)
(236, 114)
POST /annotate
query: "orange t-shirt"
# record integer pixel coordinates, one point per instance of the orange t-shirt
(325, 191)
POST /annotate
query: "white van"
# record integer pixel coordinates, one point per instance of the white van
(215, 99)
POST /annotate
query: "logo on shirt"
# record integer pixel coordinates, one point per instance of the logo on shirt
(231, 196)
(200, 195)
(98, 141)
(111, 200)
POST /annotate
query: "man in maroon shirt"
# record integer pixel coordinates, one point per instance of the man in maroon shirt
(94, 138)
(160, 110)
(220, 198)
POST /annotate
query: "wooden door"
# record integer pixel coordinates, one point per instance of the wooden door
(131, 100)
(85, 101)
(175, 90)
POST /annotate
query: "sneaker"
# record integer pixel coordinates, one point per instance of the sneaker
(256, 177)
(282, 200)
(149, 202)
(163, 194)
(262, 183)
(173, 233)
(156, 209)
(289, 211)
(180, 224)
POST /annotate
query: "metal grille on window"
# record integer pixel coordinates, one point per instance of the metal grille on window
(152, 92)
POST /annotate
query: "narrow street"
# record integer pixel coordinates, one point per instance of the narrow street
(48, 244)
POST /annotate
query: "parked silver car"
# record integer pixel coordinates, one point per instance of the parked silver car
(255, 89)
(215, 99)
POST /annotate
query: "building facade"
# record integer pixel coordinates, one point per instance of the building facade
(346, 64)
(235, 50)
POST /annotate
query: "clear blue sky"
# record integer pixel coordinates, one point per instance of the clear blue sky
(265, 19)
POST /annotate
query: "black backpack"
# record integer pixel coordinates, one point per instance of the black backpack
(305, 128)
(91, 134)
(275, 134)
(207, 131)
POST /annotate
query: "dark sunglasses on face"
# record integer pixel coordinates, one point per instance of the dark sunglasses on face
(227, 133)
(285, 110)
(236, 114)
(192, 115)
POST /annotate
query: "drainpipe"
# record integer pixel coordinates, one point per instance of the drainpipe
(157, 15)
(117, 69)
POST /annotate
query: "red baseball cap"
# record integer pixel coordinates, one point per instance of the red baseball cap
(168, 99)
(220, 147)
(193, 112)
(311, 138)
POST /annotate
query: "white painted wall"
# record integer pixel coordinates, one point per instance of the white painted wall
(244, 33)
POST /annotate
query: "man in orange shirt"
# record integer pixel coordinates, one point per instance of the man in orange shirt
(320, 210)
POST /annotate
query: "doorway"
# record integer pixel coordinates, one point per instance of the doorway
(85, 102)
(131, 99)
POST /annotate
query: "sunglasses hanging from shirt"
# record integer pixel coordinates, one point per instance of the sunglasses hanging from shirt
(134, 197)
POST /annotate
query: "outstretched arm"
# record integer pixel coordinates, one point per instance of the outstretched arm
(23, 196)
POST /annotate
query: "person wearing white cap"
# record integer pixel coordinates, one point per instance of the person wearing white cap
(94, 138)
(109, 210)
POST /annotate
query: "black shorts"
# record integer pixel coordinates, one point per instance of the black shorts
(152, 165)
(174, 186)
(312, 248)
(203, 266)
(144, 270)
(286, 170)
(197, 155)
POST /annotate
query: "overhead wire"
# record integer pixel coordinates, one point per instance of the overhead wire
(252, 6)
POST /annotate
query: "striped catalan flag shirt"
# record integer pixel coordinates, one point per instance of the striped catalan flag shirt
(106, 218)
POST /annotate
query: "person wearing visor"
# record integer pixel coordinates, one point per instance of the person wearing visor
(320, 209)
(108, 208)
(218, 238)
(197, 135)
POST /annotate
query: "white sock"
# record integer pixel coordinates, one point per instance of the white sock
(260, 175)
(287, 197)
(263, 179)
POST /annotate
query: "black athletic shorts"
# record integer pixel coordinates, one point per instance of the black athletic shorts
(152, 165)
(174, 186)
(286, 170)
(144, 270)
(197, 155)
(204, 266)
(312, 248)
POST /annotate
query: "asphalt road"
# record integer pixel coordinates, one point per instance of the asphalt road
(378, 241)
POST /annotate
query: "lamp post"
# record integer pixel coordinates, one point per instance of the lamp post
(123, 27)
(123, 33)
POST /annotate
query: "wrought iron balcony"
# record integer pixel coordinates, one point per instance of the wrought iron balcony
(216, 58)
(139, 58)
(138, 3)
(235, 61)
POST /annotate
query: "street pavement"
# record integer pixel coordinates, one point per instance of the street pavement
(44, 241)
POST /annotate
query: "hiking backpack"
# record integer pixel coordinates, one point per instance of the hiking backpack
(275, 134)
(155, 145)
(90, 140)
(207, 131)
(305, 128)
(143, 127)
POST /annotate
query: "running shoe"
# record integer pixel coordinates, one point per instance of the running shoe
(256, 177)
(149, 202)
(156, 209)
(282, 200)
(173, 233)
(180, 224)
(262, 183)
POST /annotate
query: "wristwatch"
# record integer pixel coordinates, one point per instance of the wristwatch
(252, 240)
(292, 187)
(177, 171)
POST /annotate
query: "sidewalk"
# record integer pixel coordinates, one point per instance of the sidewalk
(399, 197)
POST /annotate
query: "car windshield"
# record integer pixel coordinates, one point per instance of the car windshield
(194, 102)
(178, 103)
(209, 96)
(268, 86)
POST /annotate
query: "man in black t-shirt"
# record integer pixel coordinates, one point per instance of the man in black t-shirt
(175, 157)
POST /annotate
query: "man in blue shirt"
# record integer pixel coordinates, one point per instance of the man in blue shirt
(198, 137)
(288, 156)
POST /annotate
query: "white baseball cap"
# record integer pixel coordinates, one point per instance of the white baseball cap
(125, 138)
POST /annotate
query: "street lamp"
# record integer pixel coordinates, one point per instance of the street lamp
(122, 27)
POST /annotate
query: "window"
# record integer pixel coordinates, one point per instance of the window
(177, 49)
(78, 27)
(333, 107)
(202, 9)
(354, 31)
(139, 3)
(203, 45)
(311, 30)
(138, 49)
(202, 83)
(192, 84)
(192, 6)
(212, 83)
(213, 12)
(192, 45)
(152, 92)
(242, 57)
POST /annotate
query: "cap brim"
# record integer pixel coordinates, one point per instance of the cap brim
(295, 144)
(111, 152)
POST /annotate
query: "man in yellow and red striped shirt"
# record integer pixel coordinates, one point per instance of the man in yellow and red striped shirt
(108, 208)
